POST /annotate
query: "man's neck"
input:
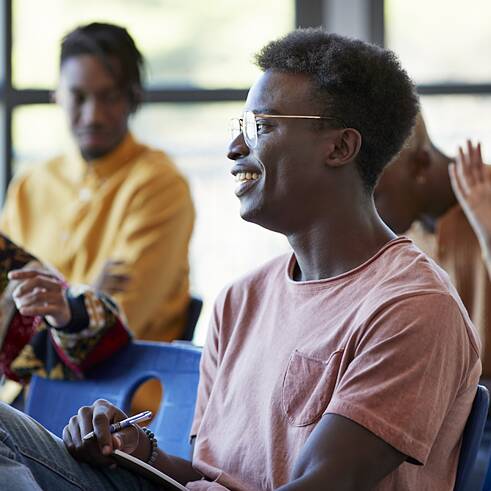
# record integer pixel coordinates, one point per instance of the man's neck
(333, 247)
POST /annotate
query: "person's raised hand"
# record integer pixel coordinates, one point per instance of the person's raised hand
(97, 450)
(110, 280)
(41, 292)
(471, 182)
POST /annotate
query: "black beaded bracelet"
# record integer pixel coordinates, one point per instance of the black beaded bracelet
(153, 441)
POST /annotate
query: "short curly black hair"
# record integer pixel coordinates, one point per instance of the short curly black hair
(361, 84)
(108, 42)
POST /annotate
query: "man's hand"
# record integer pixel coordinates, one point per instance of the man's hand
(471, 183)
(41, 292)
(97, 450)
(109, 280)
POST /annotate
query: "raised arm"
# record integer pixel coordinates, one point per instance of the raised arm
(471, 182)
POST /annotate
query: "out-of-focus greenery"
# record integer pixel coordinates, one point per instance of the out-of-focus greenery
(199, 43)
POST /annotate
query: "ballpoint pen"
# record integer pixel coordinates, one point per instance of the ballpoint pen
(124, 423)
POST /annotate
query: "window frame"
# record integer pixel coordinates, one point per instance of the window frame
(307, 13)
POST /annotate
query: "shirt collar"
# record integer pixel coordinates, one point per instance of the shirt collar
(103, 167)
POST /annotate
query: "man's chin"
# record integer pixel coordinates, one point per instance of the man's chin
(258, 216)
(93, 154)
(96, 149)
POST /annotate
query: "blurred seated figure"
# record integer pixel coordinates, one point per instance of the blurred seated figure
(47, 327)
(448, 215)
(111, 212)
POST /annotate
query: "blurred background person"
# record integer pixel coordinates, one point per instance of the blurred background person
(111, 212)
(415, 197)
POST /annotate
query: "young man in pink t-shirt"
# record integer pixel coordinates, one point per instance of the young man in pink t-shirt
(350, 363)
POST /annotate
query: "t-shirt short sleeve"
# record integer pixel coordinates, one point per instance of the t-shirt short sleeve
(407, 367)
(208, 369)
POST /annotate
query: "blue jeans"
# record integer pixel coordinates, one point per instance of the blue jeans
(33, 459)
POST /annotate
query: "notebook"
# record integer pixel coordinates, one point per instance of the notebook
(139, 467)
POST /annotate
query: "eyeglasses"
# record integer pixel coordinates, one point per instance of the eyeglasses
(248, 125)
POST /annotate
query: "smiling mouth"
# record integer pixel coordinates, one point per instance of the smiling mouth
(246, 176)
(246, 181)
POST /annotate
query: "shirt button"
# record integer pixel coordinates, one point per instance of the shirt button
(85, 194)
(64, 236)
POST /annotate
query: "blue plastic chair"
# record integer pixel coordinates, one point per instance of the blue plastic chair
(53, 402)
(467, 478)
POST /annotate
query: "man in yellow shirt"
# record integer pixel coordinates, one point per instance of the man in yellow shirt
(112, 213)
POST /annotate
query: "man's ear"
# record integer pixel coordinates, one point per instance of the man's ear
(343, 147)
(419, 165)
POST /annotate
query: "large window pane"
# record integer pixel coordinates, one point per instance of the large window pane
(441, 40)
(453, 119)
(196, 136)
(186, 42)
(39, 132)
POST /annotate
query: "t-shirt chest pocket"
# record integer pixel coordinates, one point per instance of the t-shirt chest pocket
(308, 385)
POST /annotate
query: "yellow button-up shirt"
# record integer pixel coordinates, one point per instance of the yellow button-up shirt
(131, 205)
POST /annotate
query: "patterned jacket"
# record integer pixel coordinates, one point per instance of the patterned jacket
(29, 345)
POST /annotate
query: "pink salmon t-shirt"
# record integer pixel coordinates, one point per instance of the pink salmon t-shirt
(388, 345)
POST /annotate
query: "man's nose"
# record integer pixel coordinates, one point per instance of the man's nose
(92, 112)
(238, 148)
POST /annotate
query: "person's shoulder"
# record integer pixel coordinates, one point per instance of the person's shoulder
(409, 280)
(154, 169)
(406, 268)
(156, 163)
(37, 172)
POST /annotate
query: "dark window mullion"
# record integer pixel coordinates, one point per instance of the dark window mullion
(6, 83)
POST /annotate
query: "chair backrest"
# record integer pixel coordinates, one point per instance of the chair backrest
(53, 402)
(193, 312)
(471, 440)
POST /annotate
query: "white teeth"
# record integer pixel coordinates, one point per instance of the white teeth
(246, 176)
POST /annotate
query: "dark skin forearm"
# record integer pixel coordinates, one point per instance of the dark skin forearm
(341, 455)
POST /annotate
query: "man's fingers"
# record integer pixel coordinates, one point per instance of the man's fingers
(67, 440)
(21, 274)
(456, 184)
(461, 173)
(84, 417)
(41, 300)
(105, 414)
(39, 283)
(74, 430)
(474, 163)
(113, 263)
(126, 440)
(114, 283)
